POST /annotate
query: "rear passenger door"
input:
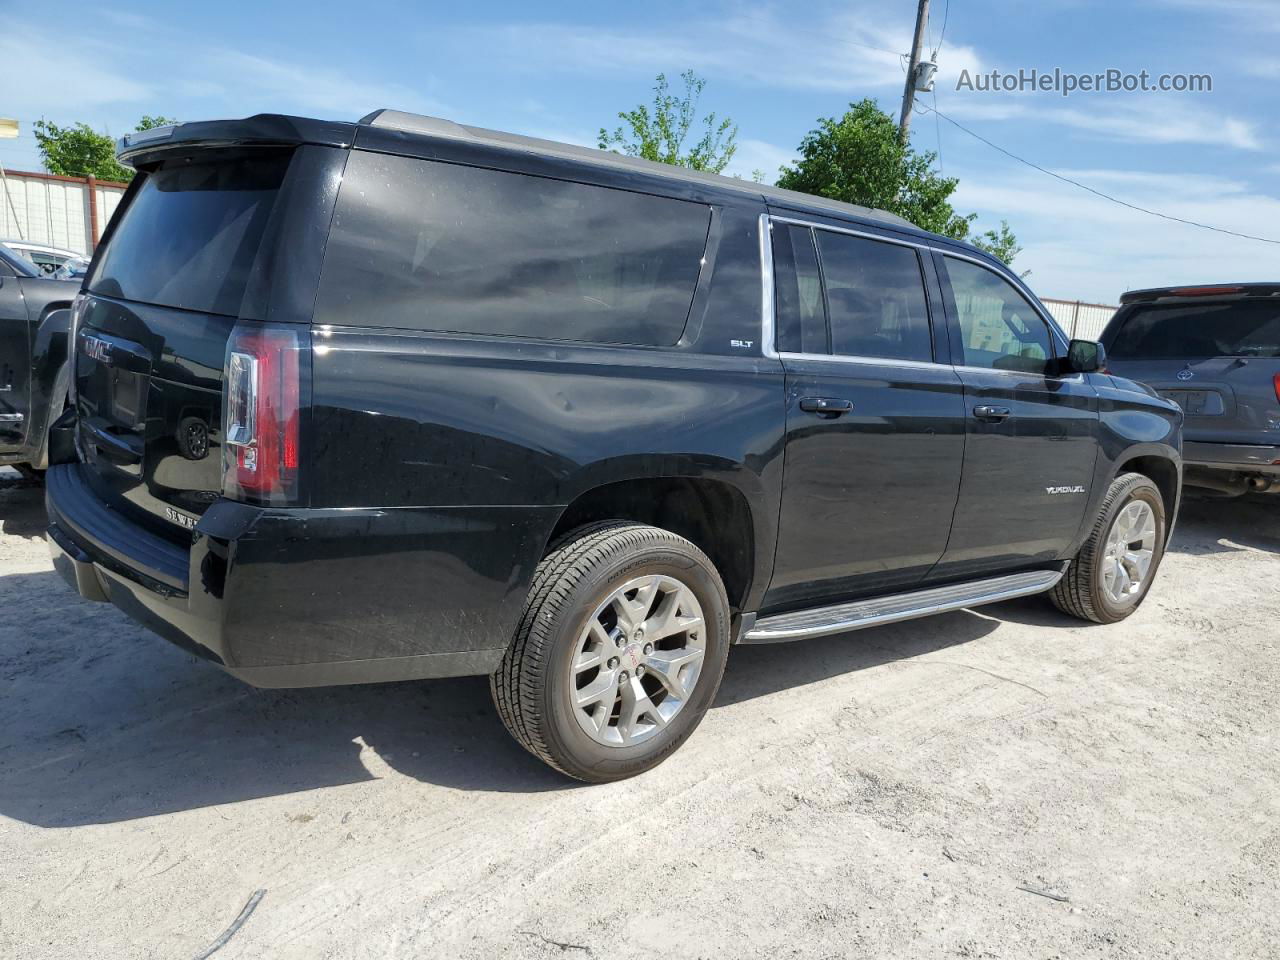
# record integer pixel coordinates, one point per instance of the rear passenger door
(1032, 432)
(875, 423)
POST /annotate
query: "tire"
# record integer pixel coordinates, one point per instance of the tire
(539, 687)
(1084, 590)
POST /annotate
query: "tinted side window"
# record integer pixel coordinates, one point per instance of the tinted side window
(876, 299)
(437, 246)
(999, 329)
(802, 322)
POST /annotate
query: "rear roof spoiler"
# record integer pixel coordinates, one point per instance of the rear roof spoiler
(1216, 291)
(263, 129)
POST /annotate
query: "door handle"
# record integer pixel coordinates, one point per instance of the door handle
(994, 414)
(828, 407)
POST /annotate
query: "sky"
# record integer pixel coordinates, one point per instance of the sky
(562, 70)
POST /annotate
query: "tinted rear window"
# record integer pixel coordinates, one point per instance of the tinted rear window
(189, 237)
(1242, 329)
(435, 246)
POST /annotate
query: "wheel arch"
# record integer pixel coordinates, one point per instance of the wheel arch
(713, 514)
(1165, 473)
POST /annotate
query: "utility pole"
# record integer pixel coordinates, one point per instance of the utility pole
(909, 93)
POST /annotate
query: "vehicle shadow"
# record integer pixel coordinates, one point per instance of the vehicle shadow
(103, 722)
(757, 670)
(21, 505)
(1209, 525)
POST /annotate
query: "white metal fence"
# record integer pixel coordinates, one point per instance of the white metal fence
(67, 212)
(1083, 321)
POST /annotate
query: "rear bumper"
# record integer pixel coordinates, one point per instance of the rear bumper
(1232, 457)
(292, 598)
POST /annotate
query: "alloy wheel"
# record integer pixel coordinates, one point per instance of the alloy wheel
(1130, 547)
(637, 660)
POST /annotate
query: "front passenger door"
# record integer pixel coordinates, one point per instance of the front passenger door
(1031, 432)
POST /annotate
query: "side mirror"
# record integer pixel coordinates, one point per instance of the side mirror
(1086, 356)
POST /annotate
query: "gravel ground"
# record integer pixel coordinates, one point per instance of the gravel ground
(1001, 783)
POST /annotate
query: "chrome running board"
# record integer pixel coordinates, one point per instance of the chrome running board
(820, 621)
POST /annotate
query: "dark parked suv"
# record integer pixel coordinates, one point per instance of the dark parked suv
(34, 316)
(1215, 351)
(402, 398)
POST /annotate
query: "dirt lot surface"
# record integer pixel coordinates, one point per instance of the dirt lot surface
(889, 793)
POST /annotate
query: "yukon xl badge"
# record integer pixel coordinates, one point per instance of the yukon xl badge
(181, 519)
(1053, 491)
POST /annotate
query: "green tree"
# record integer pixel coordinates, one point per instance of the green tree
(80, 151)
(858, 159)
(659, 133)
(1001, 244)
(150, 123)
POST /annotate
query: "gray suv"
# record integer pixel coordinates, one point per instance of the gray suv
(1215, 351)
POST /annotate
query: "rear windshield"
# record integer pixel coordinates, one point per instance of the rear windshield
(189, 237)
(1249, 328)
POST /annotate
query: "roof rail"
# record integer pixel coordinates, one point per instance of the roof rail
(413, 123)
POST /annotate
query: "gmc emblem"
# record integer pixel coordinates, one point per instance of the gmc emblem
(96, 349)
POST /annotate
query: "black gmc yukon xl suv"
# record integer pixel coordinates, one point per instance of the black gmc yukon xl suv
(402, 398)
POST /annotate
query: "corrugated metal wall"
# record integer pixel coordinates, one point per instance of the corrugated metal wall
(54, 210)
(1081, 321)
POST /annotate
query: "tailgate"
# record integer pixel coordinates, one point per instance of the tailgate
(1218, 359)
(161, 301)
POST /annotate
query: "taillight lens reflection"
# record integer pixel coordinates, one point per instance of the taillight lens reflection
(262, 408)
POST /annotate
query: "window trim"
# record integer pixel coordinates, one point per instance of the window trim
(710, 246)
(1057, 339)
(930, 312)
(769, 323)
(768, 331)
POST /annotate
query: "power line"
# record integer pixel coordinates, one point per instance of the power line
(946, 12)
(1099, 193)
(937, 131)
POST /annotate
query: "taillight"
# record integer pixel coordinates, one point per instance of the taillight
(1275, 382)
(261, 411)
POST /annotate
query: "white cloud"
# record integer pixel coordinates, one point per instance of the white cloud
(46, 73)
(846, 52)
(74, 77)
(753, 155)
(260, 83)
(1079, 246)
(1132, 120)
(1260, 13)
